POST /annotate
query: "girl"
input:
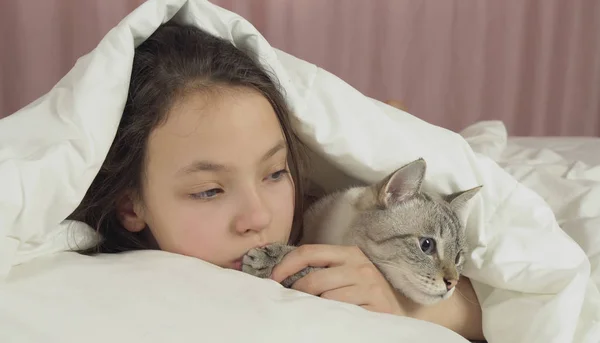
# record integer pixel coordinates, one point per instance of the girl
(205, 163)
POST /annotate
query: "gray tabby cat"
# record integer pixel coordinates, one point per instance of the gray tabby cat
(416, 239)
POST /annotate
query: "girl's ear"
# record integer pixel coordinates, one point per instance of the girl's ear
(129, 213)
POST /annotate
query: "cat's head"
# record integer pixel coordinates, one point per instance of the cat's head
(416, 239)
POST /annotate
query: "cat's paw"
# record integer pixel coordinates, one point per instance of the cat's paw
(261, 261)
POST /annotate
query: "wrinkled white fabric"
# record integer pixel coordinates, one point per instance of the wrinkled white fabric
(531, 278)
(565, 172)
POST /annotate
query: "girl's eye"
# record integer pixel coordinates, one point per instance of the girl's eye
(276, 176)
(209, 194)
(427, 245)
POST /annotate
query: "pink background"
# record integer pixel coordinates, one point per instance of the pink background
(535, 64)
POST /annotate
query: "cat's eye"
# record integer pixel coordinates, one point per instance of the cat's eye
(427, 245)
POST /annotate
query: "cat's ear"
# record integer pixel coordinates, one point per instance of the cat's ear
(458, 201)
(402, 184)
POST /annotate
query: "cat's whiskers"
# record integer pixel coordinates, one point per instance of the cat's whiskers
(388, 264)
(423, 279)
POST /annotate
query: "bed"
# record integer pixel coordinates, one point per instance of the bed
(565, 171)
(538, 162)
(535, 283)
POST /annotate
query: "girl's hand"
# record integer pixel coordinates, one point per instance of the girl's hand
(349, 277)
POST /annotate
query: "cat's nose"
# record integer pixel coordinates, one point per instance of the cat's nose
(450, 283)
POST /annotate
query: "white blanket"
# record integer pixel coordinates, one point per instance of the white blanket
(565, 171)
(533, 280)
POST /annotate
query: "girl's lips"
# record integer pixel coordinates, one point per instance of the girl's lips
(237, 264)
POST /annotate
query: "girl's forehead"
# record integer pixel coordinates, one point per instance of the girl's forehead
(223, 128)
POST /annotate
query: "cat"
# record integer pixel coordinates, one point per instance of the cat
(415, 238)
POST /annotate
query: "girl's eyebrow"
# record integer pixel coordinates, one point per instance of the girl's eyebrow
(275, 149)
(198, 166)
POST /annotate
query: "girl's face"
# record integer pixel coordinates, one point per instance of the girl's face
(216, 181)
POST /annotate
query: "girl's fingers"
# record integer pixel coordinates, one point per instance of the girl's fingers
(349, 277)
(323, 280)
(316, 255)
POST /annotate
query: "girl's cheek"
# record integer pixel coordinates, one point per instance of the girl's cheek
(196, 229)
(283, 206)
(202, 220)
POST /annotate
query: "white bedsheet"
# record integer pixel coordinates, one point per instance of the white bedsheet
(533, 280)
(565, 171)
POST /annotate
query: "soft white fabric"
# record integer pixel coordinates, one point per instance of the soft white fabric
(565, 171)
(531, 278)
(150, 297)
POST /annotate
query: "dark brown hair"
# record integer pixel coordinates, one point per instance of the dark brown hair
(174, 60)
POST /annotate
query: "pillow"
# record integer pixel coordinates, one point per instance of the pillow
(153, 296)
